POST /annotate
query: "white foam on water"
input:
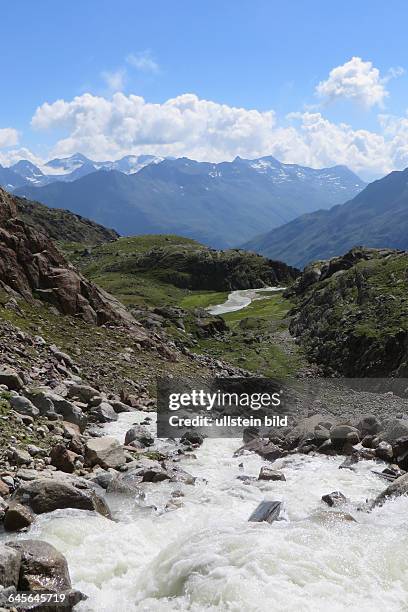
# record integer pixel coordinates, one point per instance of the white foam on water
(206, 556)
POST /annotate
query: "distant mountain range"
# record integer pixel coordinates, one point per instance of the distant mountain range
(376, 217)
(67, 169)
(221, 205)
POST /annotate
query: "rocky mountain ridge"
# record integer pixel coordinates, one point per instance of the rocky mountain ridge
(221, 205)
(32, 267)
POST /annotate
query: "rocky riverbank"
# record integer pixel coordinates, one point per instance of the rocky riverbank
(60, 459)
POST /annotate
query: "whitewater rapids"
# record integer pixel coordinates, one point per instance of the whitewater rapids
(205, 556)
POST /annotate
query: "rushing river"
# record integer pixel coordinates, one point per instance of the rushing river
(205, 555)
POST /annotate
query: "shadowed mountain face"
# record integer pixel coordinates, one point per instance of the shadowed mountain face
(218, 204)
(376, 217)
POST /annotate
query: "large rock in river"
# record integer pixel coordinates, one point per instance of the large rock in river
(44, 568)
(46, 495)
(395, 489)
(106, 452)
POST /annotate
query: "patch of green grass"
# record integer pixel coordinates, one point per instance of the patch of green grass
(256, 340)
(203, 299)
(275, 307)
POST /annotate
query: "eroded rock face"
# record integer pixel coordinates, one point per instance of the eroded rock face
(32, 266)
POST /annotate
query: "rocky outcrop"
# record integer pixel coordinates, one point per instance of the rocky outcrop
(31, 266)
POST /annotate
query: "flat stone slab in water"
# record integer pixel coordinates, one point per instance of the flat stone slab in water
(267, 511)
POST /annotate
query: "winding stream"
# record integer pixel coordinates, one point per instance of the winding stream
(241, 299)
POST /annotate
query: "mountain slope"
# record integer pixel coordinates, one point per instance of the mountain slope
(63, 225)
(217, 204)
(10, 180)
(376, 217)
(351, 313)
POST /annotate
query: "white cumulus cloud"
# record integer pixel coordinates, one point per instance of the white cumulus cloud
(356, 80)
(8, 137)
(209, 131)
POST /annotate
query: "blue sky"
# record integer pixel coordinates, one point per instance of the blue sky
(265, 56)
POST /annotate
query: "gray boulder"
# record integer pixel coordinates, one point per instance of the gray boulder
(120, 407)
(70, 412)
(305, 430)
(139, 433)
(83, 392)
(17, 517)
(10, 560)
(44, 568)
(104, 413)
(10, 378)
(22, 405)
(267, 511)
(264, 448)
(394, 429)
(21, 457)
(384, 451)
(268, 474)
(339, 435)
(41, 399)
(368, 425)
(336, 498)
(396, 489)
(106, 452)
(46, 495)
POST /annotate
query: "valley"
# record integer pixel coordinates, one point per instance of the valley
(89, 320)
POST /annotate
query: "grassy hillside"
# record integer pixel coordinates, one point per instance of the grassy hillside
(258, 340)
(351, 313)
(169, 270)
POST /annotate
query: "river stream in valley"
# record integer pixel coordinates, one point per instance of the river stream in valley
(204, 555)
(241, 299)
